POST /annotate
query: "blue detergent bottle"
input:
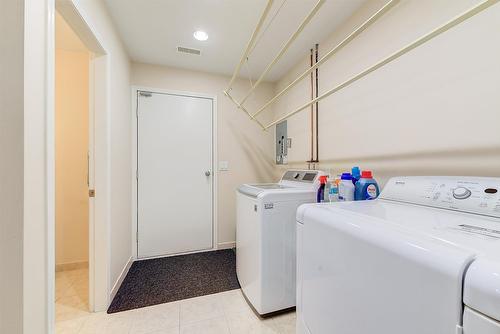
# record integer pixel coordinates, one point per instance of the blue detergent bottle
(366, 188)
(356, 174)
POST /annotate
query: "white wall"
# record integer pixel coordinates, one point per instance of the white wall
(248, 149)
(72, 143)
(435, 110)
(95, 14)
(11, 168)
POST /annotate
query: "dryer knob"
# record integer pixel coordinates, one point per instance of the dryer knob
(461, 193)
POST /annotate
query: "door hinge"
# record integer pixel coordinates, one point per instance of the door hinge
(137, 174)
(91, 192)
(145, 94)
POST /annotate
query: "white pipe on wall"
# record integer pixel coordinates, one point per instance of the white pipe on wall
(439, 30)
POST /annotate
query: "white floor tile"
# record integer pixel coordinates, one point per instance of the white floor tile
(233, 302)
(285, 323)
(117, 325)
(212, 326)
(162, 317)
(200, 308)
(71, 307)
(174, 330)
(222, 313)
(70, 326)
(249, 323)
(94, 324)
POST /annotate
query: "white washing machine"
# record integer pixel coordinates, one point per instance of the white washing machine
(422, 258)
(266, 238)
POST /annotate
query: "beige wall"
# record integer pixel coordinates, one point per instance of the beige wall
(248, 149)
(433, 111)
(11, 167)
(71, 127)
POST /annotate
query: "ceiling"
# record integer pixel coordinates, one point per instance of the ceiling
(66, 38)
(153, 29)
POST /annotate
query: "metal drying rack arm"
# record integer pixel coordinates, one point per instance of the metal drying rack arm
(439, 30)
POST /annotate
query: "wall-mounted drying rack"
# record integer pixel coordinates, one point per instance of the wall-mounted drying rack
(425, 38)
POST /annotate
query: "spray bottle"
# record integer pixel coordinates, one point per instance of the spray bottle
(321, 190)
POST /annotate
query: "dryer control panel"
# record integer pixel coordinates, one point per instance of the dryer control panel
(479, 195)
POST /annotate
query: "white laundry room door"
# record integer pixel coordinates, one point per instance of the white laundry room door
(174, 174)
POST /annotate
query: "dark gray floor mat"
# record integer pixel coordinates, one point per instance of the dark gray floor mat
(163, 280)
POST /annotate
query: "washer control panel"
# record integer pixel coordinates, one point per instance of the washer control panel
(479, 195)
(461, 193)
(308, 176)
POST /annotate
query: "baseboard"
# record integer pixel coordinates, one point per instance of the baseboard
(120, 279)
(71, 266)
(226, 245)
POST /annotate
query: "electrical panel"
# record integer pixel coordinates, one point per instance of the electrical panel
(281, 143)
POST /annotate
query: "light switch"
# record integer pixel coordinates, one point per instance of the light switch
(223, 165)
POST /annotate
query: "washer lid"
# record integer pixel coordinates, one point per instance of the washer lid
(482, 287)
(478, 233)
(256, 190)
(267, 186)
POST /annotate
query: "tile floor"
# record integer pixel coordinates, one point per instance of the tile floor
(221, 313)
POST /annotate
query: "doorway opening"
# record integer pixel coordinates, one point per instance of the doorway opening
(81, 129)
(72, 172)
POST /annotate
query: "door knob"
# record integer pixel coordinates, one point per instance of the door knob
(207, 173)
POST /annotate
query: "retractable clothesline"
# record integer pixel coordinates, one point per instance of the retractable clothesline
(250, 43)
(284, 48)
(439, 30)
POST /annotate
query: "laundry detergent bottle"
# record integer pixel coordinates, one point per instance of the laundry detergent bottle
(356, 174)
(321, 190)
(346, 188)
(333, 194)
(366, 188)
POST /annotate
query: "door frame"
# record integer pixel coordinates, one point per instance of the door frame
(98, 148)
(134, 104)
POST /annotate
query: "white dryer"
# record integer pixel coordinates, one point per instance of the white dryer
(422, 258)
(266, 238)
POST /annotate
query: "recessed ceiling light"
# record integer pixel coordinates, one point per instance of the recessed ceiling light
(200, 35)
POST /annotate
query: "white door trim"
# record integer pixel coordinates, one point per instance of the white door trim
(135, 90)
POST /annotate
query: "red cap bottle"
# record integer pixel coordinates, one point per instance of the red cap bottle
(366, 174)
